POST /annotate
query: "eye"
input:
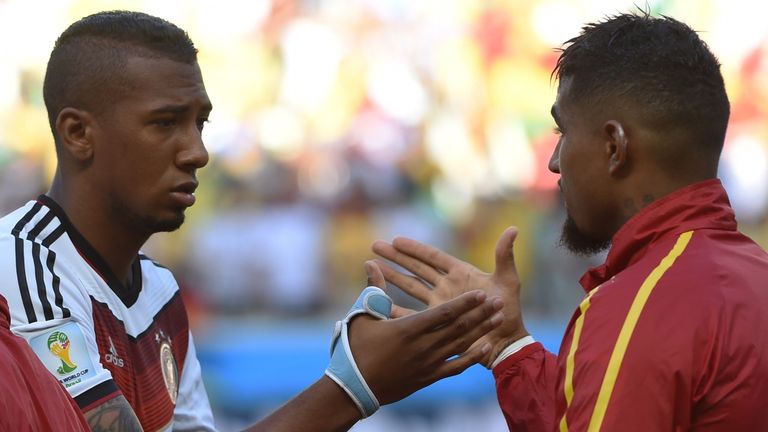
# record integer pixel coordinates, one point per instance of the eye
(201, 123)
(557, 130)
(165, 122)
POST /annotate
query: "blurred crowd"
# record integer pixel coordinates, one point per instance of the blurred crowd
(337, 122)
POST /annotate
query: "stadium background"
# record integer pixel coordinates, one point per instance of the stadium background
(337, 122)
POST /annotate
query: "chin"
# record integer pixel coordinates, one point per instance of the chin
(155, 224)
(149, 222)
(167, 224)
(580, 243)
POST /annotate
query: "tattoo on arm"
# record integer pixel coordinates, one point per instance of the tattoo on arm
(115, 415)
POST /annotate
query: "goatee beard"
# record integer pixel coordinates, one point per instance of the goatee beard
(579, 243)
(143, 223)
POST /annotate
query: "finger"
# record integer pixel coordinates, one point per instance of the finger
(399, 311)
(455, 340)
(412, 286)
(505, 257)
(430, 319)
(461, 363)
(425, 253)
(375, 277)
(418, 268)
(465, 330)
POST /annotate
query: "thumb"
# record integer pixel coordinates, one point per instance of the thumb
(505, 257)
(375, 277)
(399, 311)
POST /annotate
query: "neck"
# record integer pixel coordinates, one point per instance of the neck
(116, 243)
(650, 188)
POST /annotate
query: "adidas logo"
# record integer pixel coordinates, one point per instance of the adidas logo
(111, 356)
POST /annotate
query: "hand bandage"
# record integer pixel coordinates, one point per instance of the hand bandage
(342, 368)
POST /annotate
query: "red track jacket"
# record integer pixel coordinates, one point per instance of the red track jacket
(672, 335)
(31, 399)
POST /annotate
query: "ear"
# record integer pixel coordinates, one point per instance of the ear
(616, 146)
(74, 128)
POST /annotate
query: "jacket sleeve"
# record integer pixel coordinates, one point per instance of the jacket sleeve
(525, 386)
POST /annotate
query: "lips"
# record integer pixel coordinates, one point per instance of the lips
(187, 187)
(184, 194)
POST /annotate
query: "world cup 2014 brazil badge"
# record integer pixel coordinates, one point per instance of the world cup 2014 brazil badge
(170, 373)
(63, 351)
(59, 344)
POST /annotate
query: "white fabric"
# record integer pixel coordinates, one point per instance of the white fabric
(511, 349)
(193, 411)
(71, 287)
(78, 284)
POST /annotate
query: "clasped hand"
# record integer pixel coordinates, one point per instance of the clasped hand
(402, 355)
(438, 278)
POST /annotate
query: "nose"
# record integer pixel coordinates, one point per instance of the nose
(194, 155)
(554, 160)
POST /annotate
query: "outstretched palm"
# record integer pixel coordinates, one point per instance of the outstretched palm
(438, 277)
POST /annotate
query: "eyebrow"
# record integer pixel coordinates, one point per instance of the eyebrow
(179, 109)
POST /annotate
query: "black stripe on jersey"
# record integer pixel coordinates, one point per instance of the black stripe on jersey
(56, 282)
(97, 392)
(44, 221)
(38, 266)
(143, 257)
(127, 294)
(47, 311)
(26, 218)
(50, 260)
(21, 273)
(54, 235)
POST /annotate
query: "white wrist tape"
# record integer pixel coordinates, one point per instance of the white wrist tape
(343, 368)
(511, 349)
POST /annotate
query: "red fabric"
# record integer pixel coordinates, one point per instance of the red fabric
(534, 369)
(697, 359)
(31, 398)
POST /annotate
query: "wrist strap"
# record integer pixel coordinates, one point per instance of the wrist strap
(511, 349)
(343, 368)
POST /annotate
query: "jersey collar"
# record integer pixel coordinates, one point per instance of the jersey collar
(128, 295)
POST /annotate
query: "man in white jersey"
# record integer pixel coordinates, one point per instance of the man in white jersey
(127, 105)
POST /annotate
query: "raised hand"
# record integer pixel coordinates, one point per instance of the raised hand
(438, 277)
(402, 355)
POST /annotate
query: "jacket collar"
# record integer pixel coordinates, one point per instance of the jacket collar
(702, 205)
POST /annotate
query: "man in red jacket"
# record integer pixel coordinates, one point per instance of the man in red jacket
(671, 335)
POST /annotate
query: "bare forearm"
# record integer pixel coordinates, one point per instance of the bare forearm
(323, 407)
(115, 415)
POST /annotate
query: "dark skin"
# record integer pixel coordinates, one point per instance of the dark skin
(143, 152)
(608, 163)
(438, 332)
(129, 171)
(441, 278)
(103, 157)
